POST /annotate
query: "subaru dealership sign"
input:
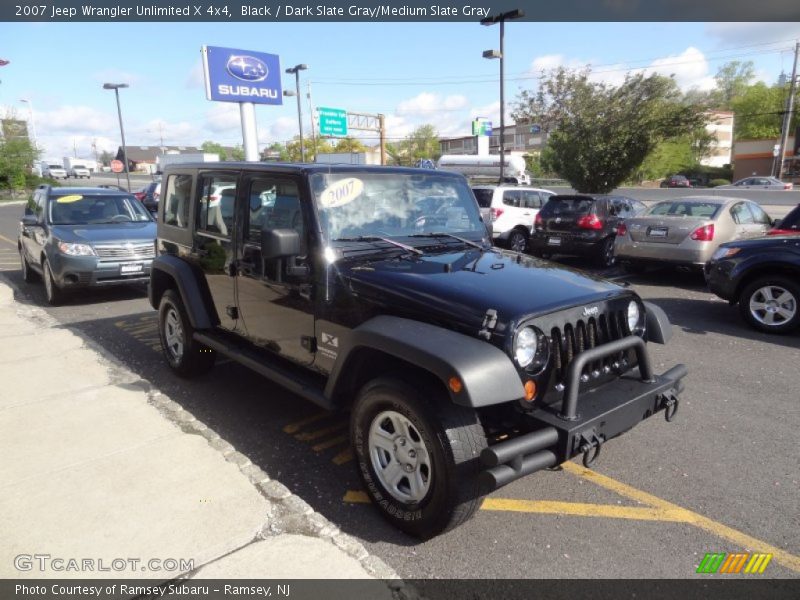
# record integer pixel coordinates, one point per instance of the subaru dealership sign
(242, 76)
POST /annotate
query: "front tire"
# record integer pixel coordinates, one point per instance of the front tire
(184, 354)
(418, 456)
(770, 304)
(53, 293)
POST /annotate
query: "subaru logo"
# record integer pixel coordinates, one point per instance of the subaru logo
(590, 311)
(247, 68)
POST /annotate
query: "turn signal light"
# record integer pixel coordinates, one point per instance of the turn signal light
(704, 233)
(538, 222)
(530, 390)
(496, 213)
(455, 385)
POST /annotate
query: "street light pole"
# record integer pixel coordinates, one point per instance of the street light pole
(115, 87)
(501, 18)
(31, 119)
(295, 70)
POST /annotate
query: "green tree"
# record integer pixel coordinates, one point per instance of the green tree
(733, 79)
(758, 112)
(106, 157)
(237, 153)
(349, 144)
(423, 142)
(600, 134)
(214, 148)
(17, 155)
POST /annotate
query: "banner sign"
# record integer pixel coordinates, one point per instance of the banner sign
(242, 76)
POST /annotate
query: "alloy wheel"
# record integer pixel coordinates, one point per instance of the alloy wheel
(773, 305)
(173, 334)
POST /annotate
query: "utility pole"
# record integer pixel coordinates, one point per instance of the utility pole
(787, 116)
(313, 124)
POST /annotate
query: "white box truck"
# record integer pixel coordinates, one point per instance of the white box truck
(163, 160)
(486, 165)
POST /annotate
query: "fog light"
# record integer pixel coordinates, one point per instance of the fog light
(455, 385)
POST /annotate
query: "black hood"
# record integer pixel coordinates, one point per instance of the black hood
(105, 233)
(462, 285)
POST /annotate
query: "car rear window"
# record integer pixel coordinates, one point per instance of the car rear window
(565, 205)
(483, 196)
(702, 210)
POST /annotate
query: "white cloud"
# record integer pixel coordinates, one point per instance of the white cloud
(77, 120)
(223, 117)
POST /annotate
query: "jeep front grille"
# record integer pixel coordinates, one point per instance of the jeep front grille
(125, 251)
(573, 338)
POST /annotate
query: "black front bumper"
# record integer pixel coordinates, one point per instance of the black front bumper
(582, 423)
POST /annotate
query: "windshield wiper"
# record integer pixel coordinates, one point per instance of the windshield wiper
(375, 238)
(450, 235)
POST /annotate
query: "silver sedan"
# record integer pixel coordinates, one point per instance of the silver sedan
(757, 183)
(687, 231)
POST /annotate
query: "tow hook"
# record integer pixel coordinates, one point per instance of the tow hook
(670, 403)
(591, 448)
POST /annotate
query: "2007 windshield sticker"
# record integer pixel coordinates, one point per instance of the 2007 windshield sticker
(70, 198)
(342, 192)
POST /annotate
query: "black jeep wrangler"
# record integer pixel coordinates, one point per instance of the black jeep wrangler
(376, 290)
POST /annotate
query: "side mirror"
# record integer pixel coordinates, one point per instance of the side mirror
(29, 220)
(776, 222)
(279, 243)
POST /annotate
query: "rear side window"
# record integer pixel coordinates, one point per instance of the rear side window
(484, 197)
(531, 199)
(792, 220)
(565, 206)
(741, 215)
(177, 200)
(216, 203)
(759, 215)
(512, 198)
(703, 210)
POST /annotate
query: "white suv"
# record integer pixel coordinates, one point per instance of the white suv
(513, 209)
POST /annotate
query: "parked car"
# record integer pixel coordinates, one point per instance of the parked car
(757, 183)
(79, 171)
(111, 186)
(148, 195)
(686, 231)
(788, 224)
(375, 290)
(582, 225)
(55, 171)
(74, 238)
(763, 277)
(676, 181)
(513, 210)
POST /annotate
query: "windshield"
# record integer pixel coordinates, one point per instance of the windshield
(54, 167)
(374, 204)
(76, 209)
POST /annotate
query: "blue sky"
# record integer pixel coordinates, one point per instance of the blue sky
(415, 73)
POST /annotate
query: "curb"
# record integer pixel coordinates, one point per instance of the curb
(286, 512)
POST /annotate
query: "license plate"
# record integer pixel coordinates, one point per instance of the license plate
(659, 232)
(134, 268)
(554, 241)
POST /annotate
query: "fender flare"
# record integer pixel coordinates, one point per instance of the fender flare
(487, 374)
(191, 293)
(657, 326)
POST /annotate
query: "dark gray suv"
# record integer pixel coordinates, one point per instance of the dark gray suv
(81, 237)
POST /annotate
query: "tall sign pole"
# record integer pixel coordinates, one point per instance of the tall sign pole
(787, 116)
(247, 113)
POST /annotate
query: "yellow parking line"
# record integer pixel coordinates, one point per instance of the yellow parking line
(315, 435)
(5, 239)
(333, 442)
(737, 537)
(343, 457)
(580, 509)
(295, 427)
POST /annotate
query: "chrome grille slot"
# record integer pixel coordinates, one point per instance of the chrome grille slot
(125, 251)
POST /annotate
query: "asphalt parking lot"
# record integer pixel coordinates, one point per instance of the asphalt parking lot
(723, 477)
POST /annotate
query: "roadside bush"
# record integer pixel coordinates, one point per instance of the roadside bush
(716, 182)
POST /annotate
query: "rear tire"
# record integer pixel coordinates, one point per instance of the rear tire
(605, 257)
(771, 304)
(184, 354)
(517, 241)
(417, 456)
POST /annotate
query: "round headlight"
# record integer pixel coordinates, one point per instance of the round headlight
(525, 346)
(633, 315)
